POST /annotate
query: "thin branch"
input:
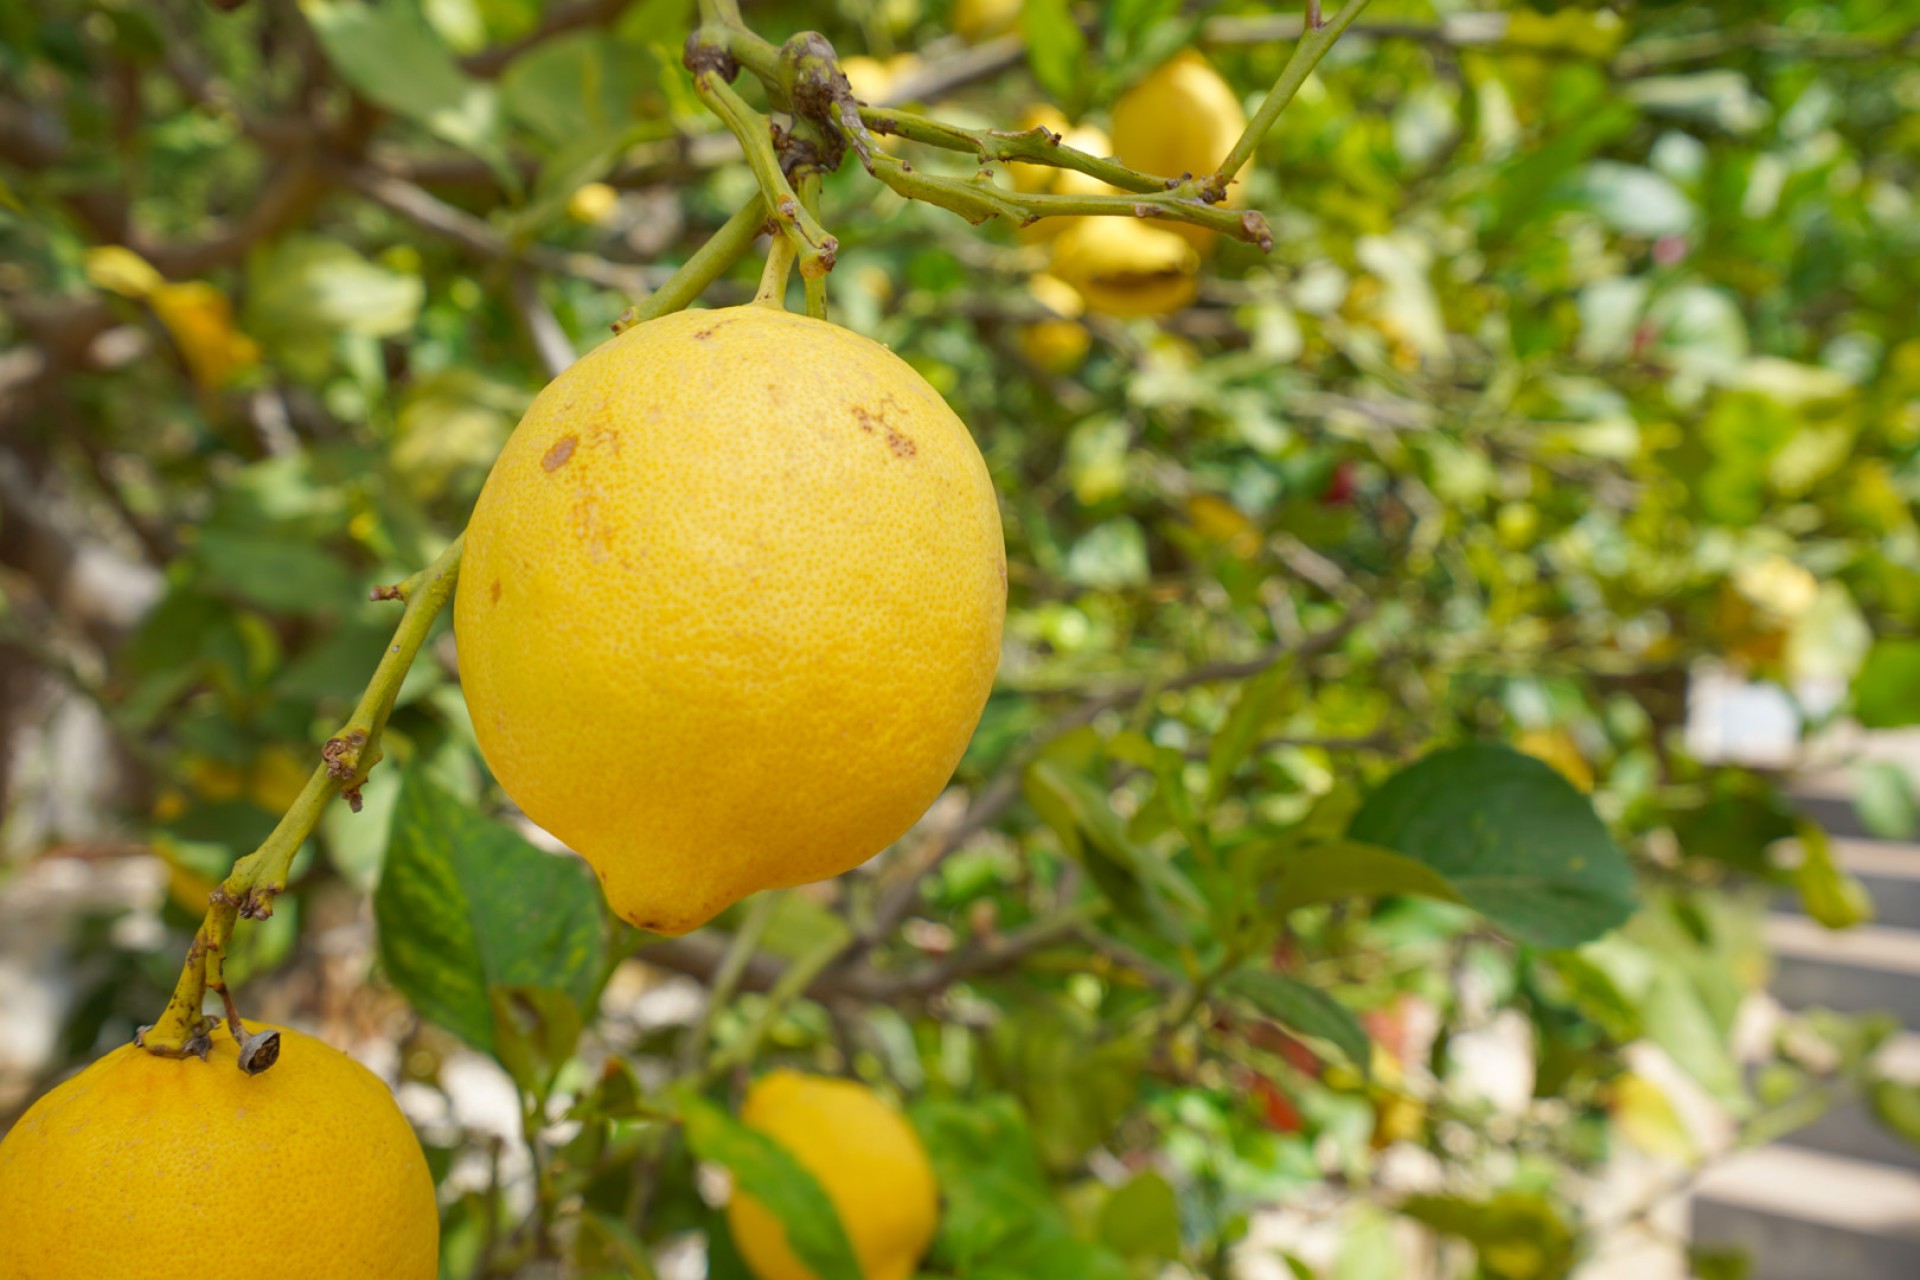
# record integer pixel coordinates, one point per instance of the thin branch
(550, 341)
(726, 978)
(1038, 145)
(1313, 46)
(256, 879)
(479, 238)
(979, 198)
(813, 247)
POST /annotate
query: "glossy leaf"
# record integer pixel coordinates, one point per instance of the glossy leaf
(765, 1170)
(1515, 838)
(1304, 1010)
(466, 907)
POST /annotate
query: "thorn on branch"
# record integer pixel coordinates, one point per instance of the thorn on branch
(1314, 20)
(396, 591)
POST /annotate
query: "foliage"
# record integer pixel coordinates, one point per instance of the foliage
(1584, 358)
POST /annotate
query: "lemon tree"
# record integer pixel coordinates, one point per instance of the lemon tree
(1088, 714)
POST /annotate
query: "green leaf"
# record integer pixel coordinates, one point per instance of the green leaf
(1258, 699)
(279, 574)
(1056, 50)
(1678, 1020)
(304, 290)
(620, 1244)
(1896, 1105)
(1744, 818)
(1883, 798)
(395, 59)
(1719, 1262)
(1076, 1080)
(1886, 693)
(1513, 836)
(1828, 892)
(535, 1031)
(1300, 875)
(1518, 1235)
(1142, 1219)
(999, 1219)
(1138, 882)
(1304, 1010)
(768, 1172)
(466, 906)
(579, 85)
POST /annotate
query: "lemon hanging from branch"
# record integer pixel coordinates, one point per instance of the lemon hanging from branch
(864, 1155)
(150, 1168)
(731, 607)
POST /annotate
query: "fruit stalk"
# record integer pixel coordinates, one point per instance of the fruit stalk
(1315, 39)
(256, 879)
(812, 245)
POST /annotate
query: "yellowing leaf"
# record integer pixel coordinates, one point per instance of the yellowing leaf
(120, 270)
(1557, 748)
(200, 318)
(1592, 35)
(1648, 1120)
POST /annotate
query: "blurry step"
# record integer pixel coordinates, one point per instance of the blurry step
(1808, 1215)
(1890, 873)
(1850, 1129)
(1852, 970)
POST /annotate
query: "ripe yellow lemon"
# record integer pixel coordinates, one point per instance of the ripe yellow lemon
(1126, 267)
(1183, 118)
(1058, 344)
(977, 20)
(149, 1168)
(864, 1155)
(730, 607)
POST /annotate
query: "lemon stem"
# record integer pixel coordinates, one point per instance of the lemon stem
(812, 245)
(816, 286)
(250, 888)
(773, 277)
(1316, 38)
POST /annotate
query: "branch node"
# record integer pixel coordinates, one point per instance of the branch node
(705, 55)
(342, 754)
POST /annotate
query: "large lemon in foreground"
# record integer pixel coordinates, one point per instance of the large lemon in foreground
(864, 1155)
(730, 607)
(149, 1168)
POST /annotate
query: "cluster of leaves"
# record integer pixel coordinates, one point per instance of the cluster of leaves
(1585, 356)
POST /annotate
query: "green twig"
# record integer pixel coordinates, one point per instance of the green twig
(726, 979)
(816, 286)
(793, 983)
(812, 245)
(250, 888)
(1313, 46)
(1038, 145)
